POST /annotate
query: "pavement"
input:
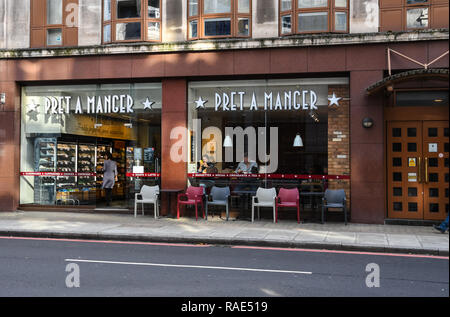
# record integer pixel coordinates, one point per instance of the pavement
(285, 233)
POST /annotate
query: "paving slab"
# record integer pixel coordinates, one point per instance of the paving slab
(280, 235)
(403, 241)
(371, 239)
(311, 236)
(341, 237)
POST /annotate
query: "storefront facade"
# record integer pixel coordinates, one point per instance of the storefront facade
(312, 111)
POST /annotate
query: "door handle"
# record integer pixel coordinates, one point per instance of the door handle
(426, 170)
(419, 165)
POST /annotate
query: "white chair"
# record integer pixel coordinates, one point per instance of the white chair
(265, 197)
(148, 195)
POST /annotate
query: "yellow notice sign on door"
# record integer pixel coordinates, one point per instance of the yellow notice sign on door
(411, 161)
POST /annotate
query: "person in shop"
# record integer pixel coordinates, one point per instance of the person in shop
(109, 177)
(247, 167)
(206, 165)
(443, 227)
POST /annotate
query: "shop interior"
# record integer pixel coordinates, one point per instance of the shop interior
(67, 151)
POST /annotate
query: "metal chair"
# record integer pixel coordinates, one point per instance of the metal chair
(147, 195)
(219, 197)
(334, 199)
(289, 198)
(265, 197)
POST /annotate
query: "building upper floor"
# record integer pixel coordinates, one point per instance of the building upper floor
(79, 23)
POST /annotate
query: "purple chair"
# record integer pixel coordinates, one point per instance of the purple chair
(288, 198)
(193, 196)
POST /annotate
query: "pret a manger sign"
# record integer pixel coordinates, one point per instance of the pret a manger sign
(89, 104)
(240, 100)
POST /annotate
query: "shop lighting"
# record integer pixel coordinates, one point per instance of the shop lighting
(438, 100)
(228, 142)
(367, 123)
(97, 125)
(298, 142)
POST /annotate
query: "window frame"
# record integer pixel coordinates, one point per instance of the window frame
(420, 5)
(45, 26)
(402, 8)
(330, 9)
(233, 15)
(143, 20)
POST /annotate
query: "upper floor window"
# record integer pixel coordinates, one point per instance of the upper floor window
(131, 20)
(219, 18)
(54, 23)
(403, 15)
(313, 16)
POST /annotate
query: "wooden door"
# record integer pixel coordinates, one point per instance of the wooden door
(417, 169)
(435, 151)
(404, 161)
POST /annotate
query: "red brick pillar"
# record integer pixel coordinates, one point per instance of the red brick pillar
(174, 114)
(339, 140)
(367, 150)
(9, 140)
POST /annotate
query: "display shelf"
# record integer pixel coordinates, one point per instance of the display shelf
(44, 161)
(101, 157)
(66, 162)
(86, 164)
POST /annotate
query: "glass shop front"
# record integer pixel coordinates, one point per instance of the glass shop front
(68, 131)
(275, 133)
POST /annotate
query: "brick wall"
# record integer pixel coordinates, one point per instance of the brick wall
(339, 139)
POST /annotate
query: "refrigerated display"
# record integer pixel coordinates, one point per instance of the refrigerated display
(86, 164)
(101, 157)
(66, 163)
(119, 156)
(45, 161)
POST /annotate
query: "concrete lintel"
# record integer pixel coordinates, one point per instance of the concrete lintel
(315, 40)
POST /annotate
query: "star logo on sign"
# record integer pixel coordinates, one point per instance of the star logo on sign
(334, 100)
(32, 106)
(32, 111)
(148, 104)
(200, 103)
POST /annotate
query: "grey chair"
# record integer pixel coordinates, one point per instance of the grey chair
(334, 199)
(219, 197)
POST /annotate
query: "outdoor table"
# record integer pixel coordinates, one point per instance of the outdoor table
(170, 191)
(247, 194)
(313, 196)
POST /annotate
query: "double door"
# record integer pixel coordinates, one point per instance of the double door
(417, 169)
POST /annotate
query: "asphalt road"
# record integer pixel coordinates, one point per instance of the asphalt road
(37, 267)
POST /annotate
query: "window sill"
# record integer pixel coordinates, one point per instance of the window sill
(302, 40)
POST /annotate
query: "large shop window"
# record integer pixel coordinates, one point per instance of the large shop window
(131, 20)
(403, 15)
(54, 23)
(67, 132)
(313, 16)
(276, 133)
(219, 18)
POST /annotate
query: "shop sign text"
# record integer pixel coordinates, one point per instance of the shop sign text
(94, 104)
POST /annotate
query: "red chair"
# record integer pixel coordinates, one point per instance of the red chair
(193, 196)
(288, 198)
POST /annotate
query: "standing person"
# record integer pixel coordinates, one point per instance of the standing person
(109, 177)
